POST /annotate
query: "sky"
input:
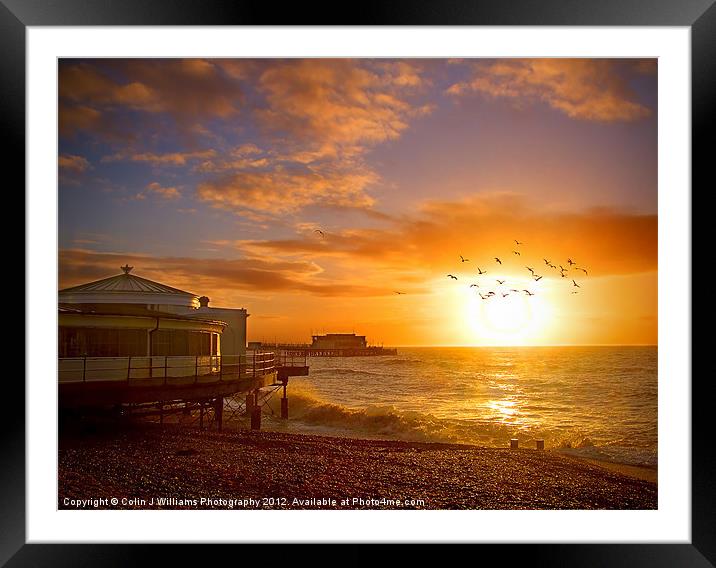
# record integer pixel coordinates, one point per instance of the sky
(336, 195)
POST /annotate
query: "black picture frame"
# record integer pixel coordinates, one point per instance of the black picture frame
(699, 15)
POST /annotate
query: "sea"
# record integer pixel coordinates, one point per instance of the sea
(598, 402)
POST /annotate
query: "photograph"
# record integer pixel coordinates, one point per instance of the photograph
(368, 283)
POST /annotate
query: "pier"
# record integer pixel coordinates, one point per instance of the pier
(163, 385)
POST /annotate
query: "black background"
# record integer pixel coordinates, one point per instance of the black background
(700, 15)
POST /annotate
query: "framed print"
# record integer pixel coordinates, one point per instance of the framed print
(431, 268)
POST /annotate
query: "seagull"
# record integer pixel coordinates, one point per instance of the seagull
(500, 281)
(451, 276)
(517, 253)
(537, 278)
(479, 271)
(490, 293)
(570, 262)
(547, 262)
(528, 292)
(513, 290)
(531, 270)
(575, 292)
(582, 269)
(399, 292)
(518, 242)
(320, 232)
(504, 295)
(551, 265)
(484, 297)
(474, 286)
(577, 285)
(463, 259)
(498, 260)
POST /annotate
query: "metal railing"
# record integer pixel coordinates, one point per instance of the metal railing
(204, 368)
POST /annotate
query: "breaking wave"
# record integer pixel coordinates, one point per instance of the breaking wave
(312, 414)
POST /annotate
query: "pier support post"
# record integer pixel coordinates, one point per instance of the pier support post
(256, 418)
(514, 444)
(201, 415)
(284, 404)
(250, 400)
(219, 411)
(540, 444)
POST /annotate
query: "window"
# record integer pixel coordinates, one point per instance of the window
(101, 342)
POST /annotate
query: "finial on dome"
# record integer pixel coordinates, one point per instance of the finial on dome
(126, 268)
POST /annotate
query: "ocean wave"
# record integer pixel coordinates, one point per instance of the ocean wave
(310, 413)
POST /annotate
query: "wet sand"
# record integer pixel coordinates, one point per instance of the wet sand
(140, 464)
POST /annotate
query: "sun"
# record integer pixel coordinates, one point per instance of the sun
(513, 319)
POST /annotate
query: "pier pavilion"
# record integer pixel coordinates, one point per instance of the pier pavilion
(128, 343)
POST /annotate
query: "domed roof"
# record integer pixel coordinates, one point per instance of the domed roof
(127, 288)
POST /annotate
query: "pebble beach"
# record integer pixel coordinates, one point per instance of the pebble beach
(151, 466)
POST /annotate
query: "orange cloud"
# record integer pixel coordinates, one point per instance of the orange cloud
(214, 276)
(336, 103)
(286, 190)
(172, 158)
(163, 192)
(605, 242)
(188, 89)
(73, 163)
(588, 89)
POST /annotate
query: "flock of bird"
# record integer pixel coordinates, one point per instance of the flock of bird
(563, 272)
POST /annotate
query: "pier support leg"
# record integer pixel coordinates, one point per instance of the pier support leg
(256, 418)
(250, 400)
(219, 411)
(201, 416)
(284, 405)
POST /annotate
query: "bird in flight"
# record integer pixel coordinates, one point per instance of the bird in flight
(528, 292)
(474, 286)
(498, 260)
(575, 292)
(516, 252)
(547, 262)
(463, 259)
(518, 242)
(570, 262)
(451, 276)
(480, 271)
(582, 269)
(505, 294)
(399, 292)
(537, 278)
(323, 235)
(577, 285)
(483, 297)
(490, 293)
(513, 290)
(500, 281)
(531, 270)
(551, 265)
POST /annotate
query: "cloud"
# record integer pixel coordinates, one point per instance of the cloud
(607, 242)
(73, 163)
(215, 276)
(336, 103)
(170, 158)
(316, 120)
(587, 89)
(286, 190)
(93, 93)
(163, 192)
